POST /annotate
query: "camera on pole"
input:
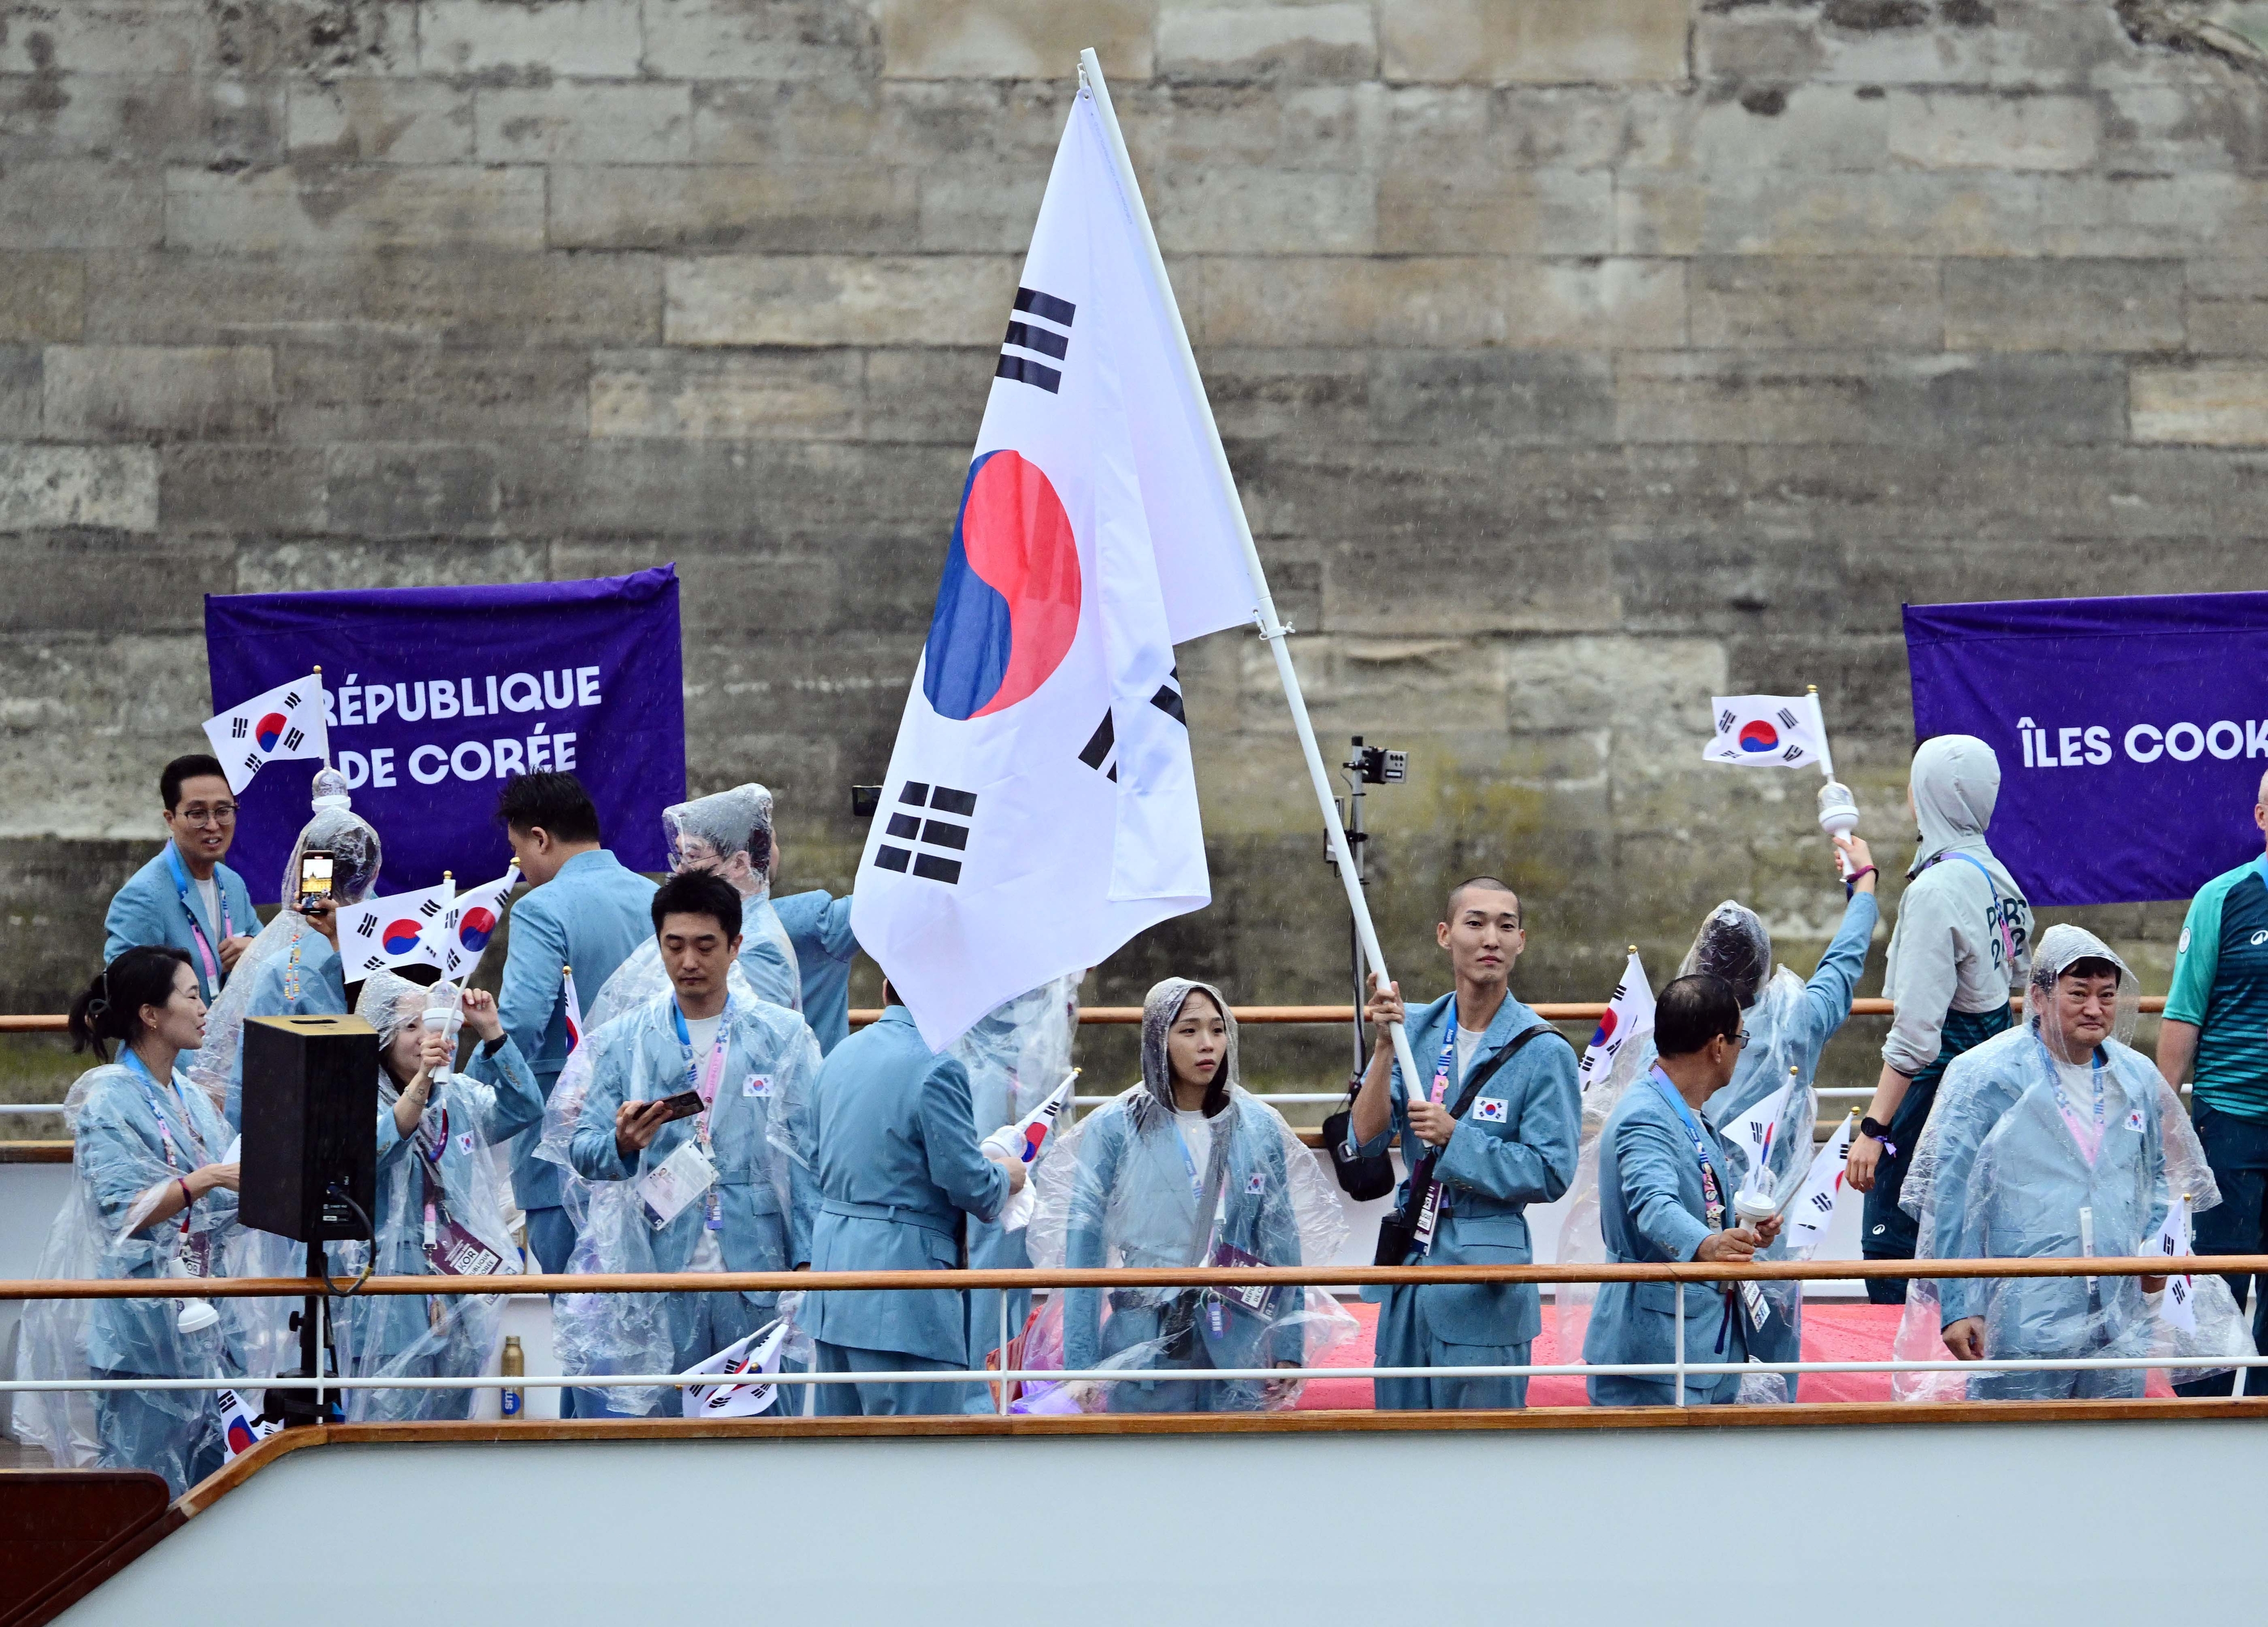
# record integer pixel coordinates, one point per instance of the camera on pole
(1366, 765)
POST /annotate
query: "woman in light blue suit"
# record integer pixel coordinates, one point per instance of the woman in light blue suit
(441, 1200)
(150, 1198)
(748, 1064)
(1187, 1168)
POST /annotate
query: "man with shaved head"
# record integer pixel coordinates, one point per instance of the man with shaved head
(1492, 1127)
(2217, 1021)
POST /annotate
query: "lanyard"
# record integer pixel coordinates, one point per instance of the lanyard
(695, 1078)
(141, 1071)
(196, 931)
(1196, 1186)
(2062, 1102)
(1446, 1067)
(1999, 922)
(1712, 1200)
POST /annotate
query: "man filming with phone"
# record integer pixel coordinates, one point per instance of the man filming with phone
(681, 1128)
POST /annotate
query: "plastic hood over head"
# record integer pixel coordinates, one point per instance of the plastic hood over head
(1956, 782)
(1733, 944)
(389, 1003)
(731, 831)
(2056, 951)
(1161, 1008)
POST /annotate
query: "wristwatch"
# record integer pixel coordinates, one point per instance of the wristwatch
(1875, 1127)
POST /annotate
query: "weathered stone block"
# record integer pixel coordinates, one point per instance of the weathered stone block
(194, 392)
(1239, 43)
(81, 203)
(770, 490)
(19, 392)
(1436, 303)
(168, 118)
(312, 564)
(150, 582)
(118, 36)
(770, 122)
(1299, 395)
(758, 39)
(1533, 41)
(43, 486)
(481, 300)
(1492, 396)
(814, 207)
(2220, 404)
(732, 592)
(372, 490)
(382, 122)
(1777, 304)
(580, 123)
(41, 296)
(1816, 127)
(515, 38)
(830, 299)
(1429, 210)
(1998, 132)
(355, 211)
(1271, 211)
(1013, 39)
(729, 395)
(241, 489)
(936, 396)
(2063, 304)
(991, 210)
(394, 391)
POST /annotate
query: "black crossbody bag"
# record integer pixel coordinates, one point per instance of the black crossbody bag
(1399, 1229)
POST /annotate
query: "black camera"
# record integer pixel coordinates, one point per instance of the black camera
(1377, 765)
(864, 800)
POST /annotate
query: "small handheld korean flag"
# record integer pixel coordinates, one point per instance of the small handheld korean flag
(1755, 1131)
(759, 1352)
(472, 921)
(2180, 1304)
(574, 1004)
(1628, 1016)
(1807, 1217)
(1024, 1140)
(287, 721)
(1765, 731)
(403, 928)
(242, 1428)
(1040, 807)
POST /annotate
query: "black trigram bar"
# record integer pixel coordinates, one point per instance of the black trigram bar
(1786, 718)
(376, 962)
(1168, 701)
(369, 926)
(915, 793)
(930, 867)
(252, 762)
(1046, 305)
(904, 826)
(1023, 370)
(1724, 720)
(291, 740)
(944, 832)
(239, 727)
(945, 799)
(430, 907)
(1046, 341)
(1097, 750)
(290, 700)
(893, 858)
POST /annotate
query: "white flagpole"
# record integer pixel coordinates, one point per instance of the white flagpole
(1272, 629)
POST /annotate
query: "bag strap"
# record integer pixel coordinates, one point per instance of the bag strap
(1422, 1176)
(1216, 1176)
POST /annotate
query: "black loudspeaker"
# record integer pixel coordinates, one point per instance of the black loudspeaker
(310, 1122)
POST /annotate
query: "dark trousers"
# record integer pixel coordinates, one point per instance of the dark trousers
(1887, 1232)
(2238, 1149)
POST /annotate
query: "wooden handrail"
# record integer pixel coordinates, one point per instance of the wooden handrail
(1220, 1277)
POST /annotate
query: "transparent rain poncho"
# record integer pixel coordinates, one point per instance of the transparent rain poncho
(1733, 944)
(762, 1198)
(285, 971)
(2003, 1171)
(731, 834)
(1016, 1053)
(1122, 1191)
(441, 1207)
(132, 1139)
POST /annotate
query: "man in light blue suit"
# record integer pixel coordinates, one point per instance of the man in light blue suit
(819, 925)
(1665, 1194)
(185, 898)
(1474, 1171)
(585, 910)
(890, 1135)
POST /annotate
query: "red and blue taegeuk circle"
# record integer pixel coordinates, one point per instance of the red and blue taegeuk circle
(1007, 609)
(401, 937)
(1608, 1024)
(240, 1438)
(475, 926)
(1757, 735)
(268, 730)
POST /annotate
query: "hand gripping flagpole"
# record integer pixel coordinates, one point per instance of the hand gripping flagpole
(1272, 629)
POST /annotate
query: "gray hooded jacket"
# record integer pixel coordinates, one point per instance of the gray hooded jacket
(1961, 913)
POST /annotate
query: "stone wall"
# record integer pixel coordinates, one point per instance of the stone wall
(1578, 358)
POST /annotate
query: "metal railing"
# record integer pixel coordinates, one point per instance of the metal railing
(1679, 1370)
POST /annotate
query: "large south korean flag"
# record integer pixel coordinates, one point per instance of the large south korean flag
(1040, 807)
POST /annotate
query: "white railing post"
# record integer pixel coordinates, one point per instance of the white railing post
(1001, 1394)
(1680, 1290)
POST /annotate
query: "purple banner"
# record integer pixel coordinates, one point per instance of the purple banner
(2132, 733)
(438, 695)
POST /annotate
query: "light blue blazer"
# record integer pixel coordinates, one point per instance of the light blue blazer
(898, 1166)
(149, 909)
(1516, 1146)
(590, 915)
(819, 925)
(1651, 1208)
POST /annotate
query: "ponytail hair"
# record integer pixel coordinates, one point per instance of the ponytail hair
(110, 1008)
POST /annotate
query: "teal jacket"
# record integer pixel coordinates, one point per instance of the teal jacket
(154, 908)
(896, 1152)
(819, 925)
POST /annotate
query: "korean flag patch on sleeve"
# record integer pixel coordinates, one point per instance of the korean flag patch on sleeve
(1489, 1109)
(757, 1084)
(2134, 1119)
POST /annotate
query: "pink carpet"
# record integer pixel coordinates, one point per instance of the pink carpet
(1831, 1332)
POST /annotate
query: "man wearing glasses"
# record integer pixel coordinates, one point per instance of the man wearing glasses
(185, 898)
(1665, 1194)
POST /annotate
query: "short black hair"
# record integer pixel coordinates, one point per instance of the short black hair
(1494, 885)
(109, 1009)
(553, 802)
(1693, 1010)
(2089, 966)
(699, 891)
(191, 767)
